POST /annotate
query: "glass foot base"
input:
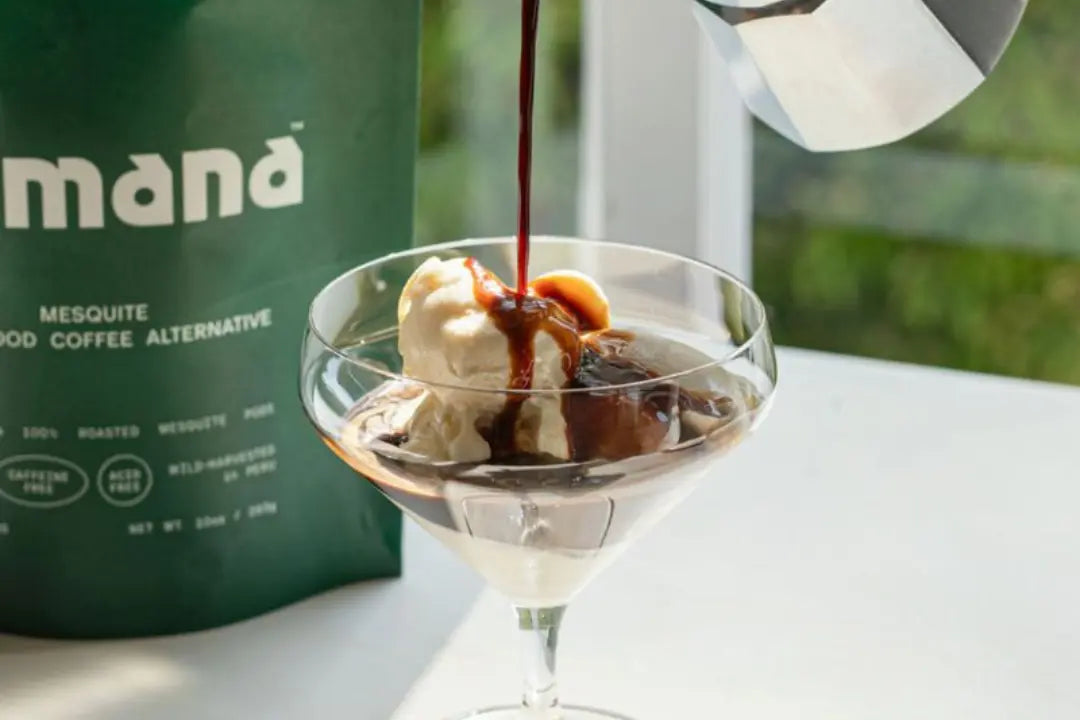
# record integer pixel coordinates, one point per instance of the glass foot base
(569, 712)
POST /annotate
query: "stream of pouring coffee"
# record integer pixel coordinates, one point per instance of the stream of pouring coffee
(530, 16)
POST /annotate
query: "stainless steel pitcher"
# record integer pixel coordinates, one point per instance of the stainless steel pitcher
(848, 74)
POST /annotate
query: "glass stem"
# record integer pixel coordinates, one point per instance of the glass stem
(540, 635)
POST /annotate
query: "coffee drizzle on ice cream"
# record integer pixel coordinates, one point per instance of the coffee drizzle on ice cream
(598, 421)
(521, 317)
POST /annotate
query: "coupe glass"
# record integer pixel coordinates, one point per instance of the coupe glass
(539, 532)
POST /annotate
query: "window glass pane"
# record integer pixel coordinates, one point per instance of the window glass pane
(467, 168)
(959, 247)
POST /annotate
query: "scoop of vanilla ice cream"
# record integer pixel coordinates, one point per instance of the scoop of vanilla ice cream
(446, 337)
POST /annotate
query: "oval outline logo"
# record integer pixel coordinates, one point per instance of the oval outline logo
(131, 502)
(45, 504)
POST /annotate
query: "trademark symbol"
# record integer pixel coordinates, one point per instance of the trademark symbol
(296, 125)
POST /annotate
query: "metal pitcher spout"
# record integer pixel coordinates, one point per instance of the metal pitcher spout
(835, 75)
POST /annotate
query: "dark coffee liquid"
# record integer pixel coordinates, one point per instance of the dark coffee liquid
(616, 424)
(639, 417)
(530, 20)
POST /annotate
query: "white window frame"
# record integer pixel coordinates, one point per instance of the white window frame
(666, 140)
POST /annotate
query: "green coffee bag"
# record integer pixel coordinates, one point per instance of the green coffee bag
(179, 178)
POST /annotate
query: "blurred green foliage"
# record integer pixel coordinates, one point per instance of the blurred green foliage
(916, 300)
(467, 173)
(946, 300)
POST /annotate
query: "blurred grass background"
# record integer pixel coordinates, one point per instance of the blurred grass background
(959, 247)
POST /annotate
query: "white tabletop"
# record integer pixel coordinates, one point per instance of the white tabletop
(897, 543)
(351, 654)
